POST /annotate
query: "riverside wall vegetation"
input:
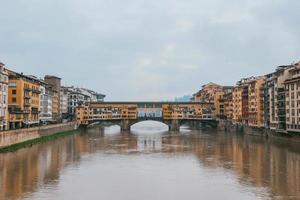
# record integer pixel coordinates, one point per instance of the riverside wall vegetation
(15, 139)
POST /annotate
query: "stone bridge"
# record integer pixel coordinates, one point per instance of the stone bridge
(125, 114)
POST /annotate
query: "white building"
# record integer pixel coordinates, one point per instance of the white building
(3, 98)
(46, 103)
(92, 95)
(72, 96)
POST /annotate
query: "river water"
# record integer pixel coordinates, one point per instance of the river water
(153, 164)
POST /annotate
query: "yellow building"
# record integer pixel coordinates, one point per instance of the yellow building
(256, 102)
(207, 93)
(237, 104)
(23, 100)
(228, 106)
(219, 103)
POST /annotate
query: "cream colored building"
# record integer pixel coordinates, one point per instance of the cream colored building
(292, 88)
(3, 98)
(276, 95)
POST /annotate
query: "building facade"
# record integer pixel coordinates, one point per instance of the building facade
(256, 103)
(3, 98)
(71, 97)
(55, 83)
(64, 103)
(24, 100)
(45, 115)
(276, 101)
(237, 104)
(56, 105)
(207, 93)
(74, 99)
(292, 89)
(219, 104)
(228, 106)
(91, 96)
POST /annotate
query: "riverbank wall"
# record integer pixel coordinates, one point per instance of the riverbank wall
(228, 126)
(12, 137)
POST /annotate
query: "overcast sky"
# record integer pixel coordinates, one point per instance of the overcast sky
(148, 49)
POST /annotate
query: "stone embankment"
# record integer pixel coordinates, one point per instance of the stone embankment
(228, 126)
(12, 137)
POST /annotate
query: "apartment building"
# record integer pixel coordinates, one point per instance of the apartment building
(207, 93)
(292, 88)
(91, 95)
(275, 110)
(228, 106)
(245, 103)
(256, 102)
(56, 105)
(75, 96)
(24, 100)
(74, 99)
(64, 103)
(46, 95)
(219, 104)
(237, 104)
(55, 83)
(213, 93)
(3, 98)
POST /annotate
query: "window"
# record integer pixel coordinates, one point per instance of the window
(12, 84)
(14, 91)
(287, 87)
(14, 99)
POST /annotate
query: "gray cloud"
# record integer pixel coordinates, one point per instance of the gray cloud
(148, 50)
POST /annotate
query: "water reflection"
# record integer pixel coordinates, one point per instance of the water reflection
(242, 166)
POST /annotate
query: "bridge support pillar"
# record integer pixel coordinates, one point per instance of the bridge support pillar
(174, 125)
(125, 125)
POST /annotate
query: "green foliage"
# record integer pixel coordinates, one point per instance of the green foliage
(39, 140)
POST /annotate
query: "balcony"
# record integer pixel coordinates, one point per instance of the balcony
(26, 111)
(27, 97)
(27, 89)
(36, 91)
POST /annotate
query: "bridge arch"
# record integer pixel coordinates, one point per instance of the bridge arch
(136, 122)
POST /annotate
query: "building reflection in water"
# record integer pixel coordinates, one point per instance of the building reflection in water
(273, 164)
